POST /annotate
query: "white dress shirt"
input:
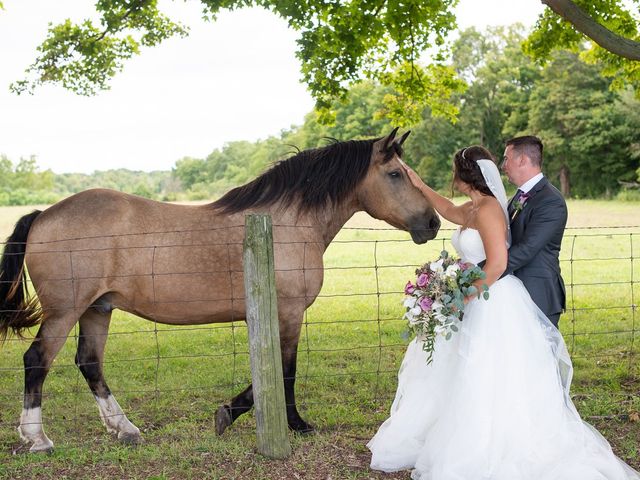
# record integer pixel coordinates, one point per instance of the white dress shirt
(529, 184)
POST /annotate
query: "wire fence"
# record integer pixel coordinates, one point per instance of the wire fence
(351, 339)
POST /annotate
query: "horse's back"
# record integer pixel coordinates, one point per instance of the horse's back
(171, 263)
(102, 212)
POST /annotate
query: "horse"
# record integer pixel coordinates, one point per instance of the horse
(101, 250)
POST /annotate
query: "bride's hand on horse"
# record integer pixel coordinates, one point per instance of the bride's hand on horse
(413, 177)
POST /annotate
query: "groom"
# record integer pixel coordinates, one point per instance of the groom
(538, 216)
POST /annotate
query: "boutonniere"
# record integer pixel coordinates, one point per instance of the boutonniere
(518, 204)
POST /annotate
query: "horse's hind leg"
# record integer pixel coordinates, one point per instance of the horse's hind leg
(94, 326)
(37, 362)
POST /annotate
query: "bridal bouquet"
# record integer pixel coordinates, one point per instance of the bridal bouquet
(435, 303)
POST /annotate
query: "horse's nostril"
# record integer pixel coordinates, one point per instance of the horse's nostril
(434, 223)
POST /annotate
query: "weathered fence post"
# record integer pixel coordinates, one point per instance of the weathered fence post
(264, 338)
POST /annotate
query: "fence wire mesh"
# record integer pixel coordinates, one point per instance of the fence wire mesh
(351, 339)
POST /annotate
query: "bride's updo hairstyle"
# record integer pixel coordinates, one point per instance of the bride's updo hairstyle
(466, 169)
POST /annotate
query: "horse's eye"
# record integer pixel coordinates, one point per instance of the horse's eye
(395, 174)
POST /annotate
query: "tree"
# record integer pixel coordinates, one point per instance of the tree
(499, 78)
(588, 131)
(357, 116)
(613, 29)
(189, 171)
(340, 44)
(24, 184)
(499, 82)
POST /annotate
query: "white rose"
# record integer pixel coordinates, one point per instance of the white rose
(437, 266)
(452, 270)
(440, 317)
(437, 306)
(410, 302)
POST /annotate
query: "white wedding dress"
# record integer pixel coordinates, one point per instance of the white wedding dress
(494, 404)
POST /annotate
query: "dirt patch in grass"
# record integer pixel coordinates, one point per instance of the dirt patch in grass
(624, 437)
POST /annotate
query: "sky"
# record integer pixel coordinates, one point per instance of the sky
(235, 79)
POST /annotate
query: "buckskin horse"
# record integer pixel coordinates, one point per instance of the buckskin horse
(101, 250)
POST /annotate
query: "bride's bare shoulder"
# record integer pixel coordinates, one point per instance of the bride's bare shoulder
(489, 203)
(489, 207)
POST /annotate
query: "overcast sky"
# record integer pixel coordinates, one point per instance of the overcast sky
(235, 79)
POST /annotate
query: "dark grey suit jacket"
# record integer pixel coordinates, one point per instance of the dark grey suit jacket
(536, 237)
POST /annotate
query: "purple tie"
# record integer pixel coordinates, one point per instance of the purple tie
(521, 196)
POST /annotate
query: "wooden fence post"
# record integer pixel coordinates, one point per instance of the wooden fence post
(264, 338)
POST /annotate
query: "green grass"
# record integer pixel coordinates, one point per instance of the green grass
(170, 380)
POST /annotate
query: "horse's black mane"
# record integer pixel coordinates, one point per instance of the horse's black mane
(313, 176)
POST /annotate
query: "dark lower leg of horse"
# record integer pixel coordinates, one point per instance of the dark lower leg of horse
(88, 361)
(37, 360)
(35, 371)
(242, 403)
(227, 414)
(94, 327)
(296, 423)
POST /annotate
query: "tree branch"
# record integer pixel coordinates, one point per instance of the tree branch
(129, 11)
(604, 37)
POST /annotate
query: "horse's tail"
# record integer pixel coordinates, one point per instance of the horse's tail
(17, 312)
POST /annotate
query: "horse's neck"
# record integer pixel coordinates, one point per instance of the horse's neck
(326, 221)
(332, 218)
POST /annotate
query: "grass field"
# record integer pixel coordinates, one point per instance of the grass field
(171, 380)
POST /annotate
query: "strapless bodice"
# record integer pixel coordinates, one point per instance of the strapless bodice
(468, 245)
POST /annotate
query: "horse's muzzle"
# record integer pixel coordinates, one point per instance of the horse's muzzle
(425, 229)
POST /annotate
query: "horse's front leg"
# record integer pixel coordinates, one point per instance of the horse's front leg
(289, 337)
(227, 414)
(289, 362)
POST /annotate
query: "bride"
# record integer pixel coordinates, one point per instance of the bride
(494, 404)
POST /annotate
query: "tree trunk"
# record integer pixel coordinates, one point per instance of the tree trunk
(565, 185)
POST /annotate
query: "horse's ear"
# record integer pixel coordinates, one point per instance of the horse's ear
(389, 139)
(404, 137)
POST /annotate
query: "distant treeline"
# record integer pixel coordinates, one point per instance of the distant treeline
(591, 134)
(22, 183)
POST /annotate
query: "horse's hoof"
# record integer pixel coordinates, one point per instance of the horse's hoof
(223, 419)
(131, 439)
(44, 447)
(302, 428)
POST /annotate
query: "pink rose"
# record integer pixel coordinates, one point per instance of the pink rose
(425, 303)
(423, 280)
(409, 288)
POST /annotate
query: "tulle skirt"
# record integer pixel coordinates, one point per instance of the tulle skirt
(494, 403)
